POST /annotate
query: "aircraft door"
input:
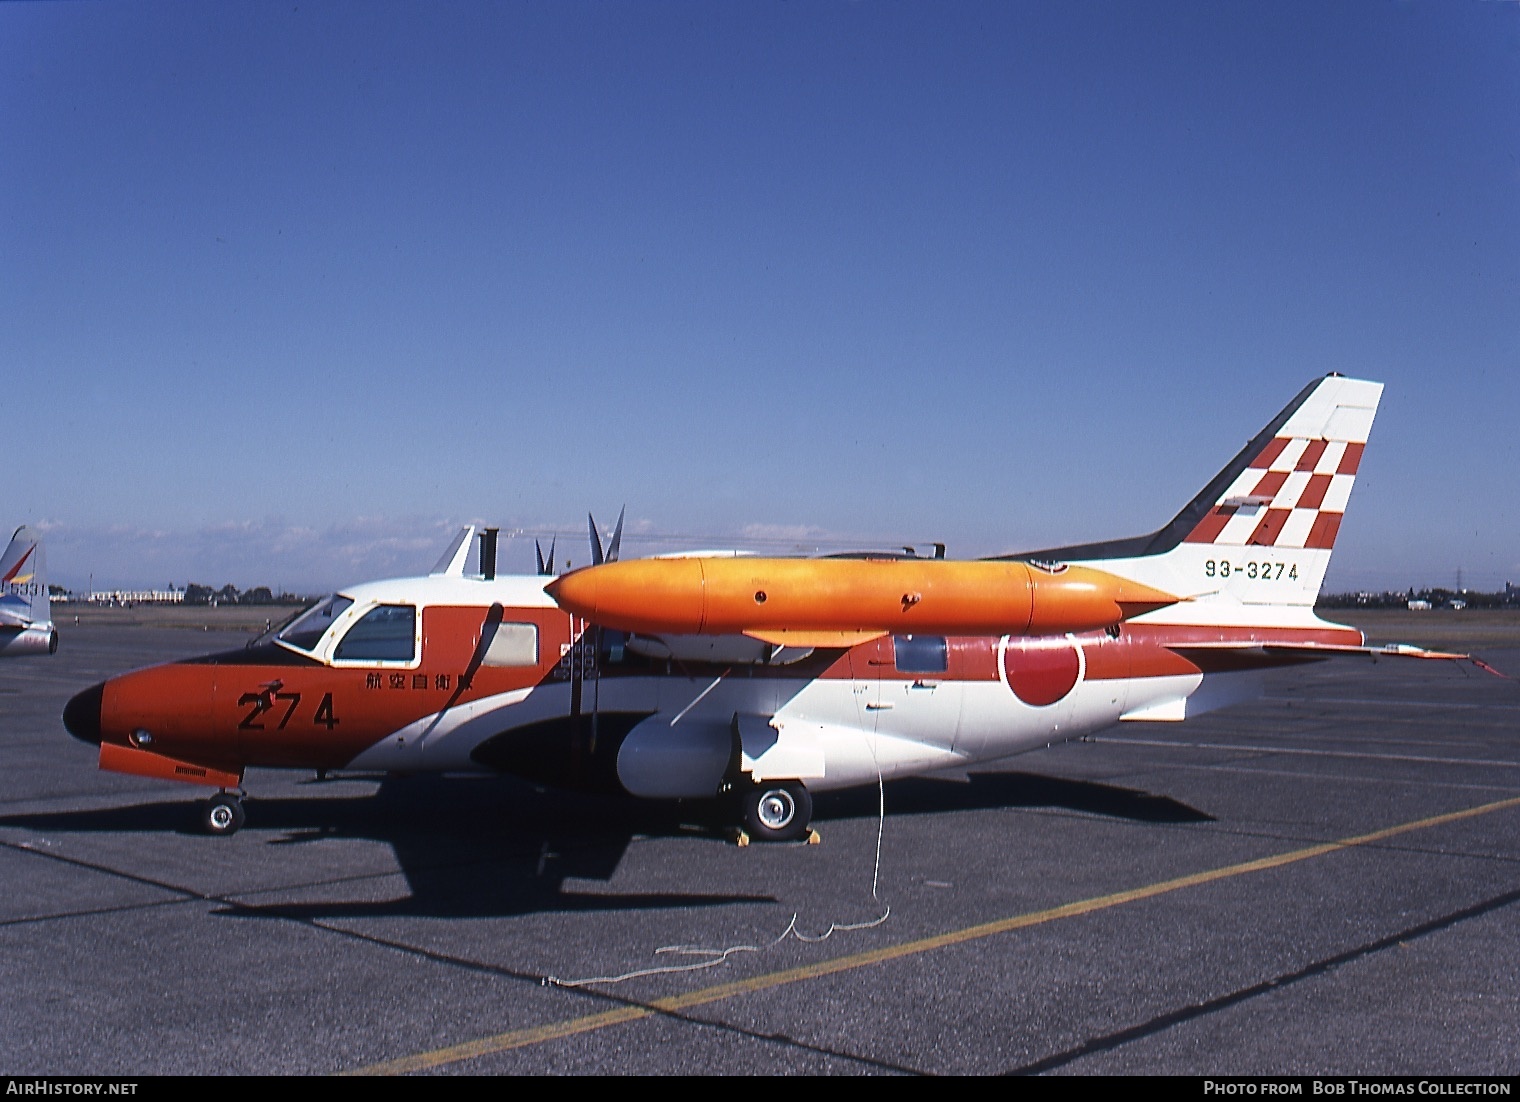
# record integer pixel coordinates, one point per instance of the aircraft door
(920, 700)
(867, 663)
(903, 689)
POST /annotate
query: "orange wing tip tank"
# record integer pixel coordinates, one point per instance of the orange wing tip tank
(846, 601)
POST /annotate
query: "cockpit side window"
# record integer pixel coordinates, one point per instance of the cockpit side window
(513, 645)
(307, 630)
(386, 633)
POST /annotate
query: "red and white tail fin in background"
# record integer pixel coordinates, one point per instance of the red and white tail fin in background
(1254, 545)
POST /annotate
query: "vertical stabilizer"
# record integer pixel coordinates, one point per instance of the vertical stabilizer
(1293, 491)
(454, 558)
(26, 625)
(1261, 532)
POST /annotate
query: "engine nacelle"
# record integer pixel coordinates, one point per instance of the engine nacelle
(36, 639)
(684, 760)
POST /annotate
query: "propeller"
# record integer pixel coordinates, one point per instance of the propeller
(545, 566)
(598, 556)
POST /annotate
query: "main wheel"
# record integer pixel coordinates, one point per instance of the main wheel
(777, 811)
(223, 814)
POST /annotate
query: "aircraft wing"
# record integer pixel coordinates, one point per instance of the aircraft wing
(1314, 651)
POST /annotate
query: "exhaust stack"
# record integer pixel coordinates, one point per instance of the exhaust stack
(488, 554)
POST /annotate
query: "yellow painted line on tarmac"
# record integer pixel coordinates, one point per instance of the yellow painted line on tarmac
(522, 1038)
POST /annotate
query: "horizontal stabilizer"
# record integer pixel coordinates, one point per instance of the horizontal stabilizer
(1334, 650)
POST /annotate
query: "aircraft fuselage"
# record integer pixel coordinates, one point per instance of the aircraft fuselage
(502, 683)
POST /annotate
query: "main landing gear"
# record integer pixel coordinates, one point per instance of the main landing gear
(776, 811)
(223, 813)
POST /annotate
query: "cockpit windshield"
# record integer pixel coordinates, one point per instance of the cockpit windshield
(270, 634)
(307, 631)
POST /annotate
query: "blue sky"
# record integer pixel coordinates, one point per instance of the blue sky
(288, 292)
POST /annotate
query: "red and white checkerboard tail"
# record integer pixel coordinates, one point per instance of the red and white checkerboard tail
(1267, 535)
(1293, 492)
(1252, 547)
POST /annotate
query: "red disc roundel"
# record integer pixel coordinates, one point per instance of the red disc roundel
(1041, 671)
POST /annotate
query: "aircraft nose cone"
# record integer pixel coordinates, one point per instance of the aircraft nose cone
(81, 715)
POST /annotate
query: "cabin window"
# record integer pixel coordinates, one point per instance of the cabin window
(921, 653)
(513, 645)
(307, 630)
(387, 633)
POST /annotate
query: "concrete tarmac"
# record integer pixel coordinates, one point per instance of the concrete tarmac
(1322, 882)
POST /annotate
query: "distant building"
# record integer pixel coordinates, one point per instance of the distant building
(1419, 606)
(139, 597)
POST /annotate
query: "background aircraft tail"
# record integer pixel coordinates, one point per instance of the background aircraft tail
(26, 625)
(1260, 534)
(23, 581)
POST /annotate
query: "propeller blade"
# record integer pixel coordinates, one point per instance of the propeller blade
(617, 536)
(545, 566)
(596, 542)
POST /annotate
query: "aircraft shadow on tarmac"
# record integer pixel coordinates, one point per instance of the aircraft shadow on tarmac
(992, 791)
(466, 847)
(495, 847)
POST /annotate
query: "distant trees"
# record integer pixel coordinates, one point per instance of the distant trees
(1437, 598)
(196, 594)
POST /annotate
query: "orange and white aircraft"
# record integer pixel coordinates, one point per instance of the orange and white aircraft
(760, 681)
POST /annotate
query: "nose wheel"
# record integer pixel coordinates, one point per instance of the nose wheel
(776, 811)
(223, 814)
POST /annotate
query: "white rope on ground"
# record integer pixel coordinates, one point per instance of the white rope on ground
(716, 957)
